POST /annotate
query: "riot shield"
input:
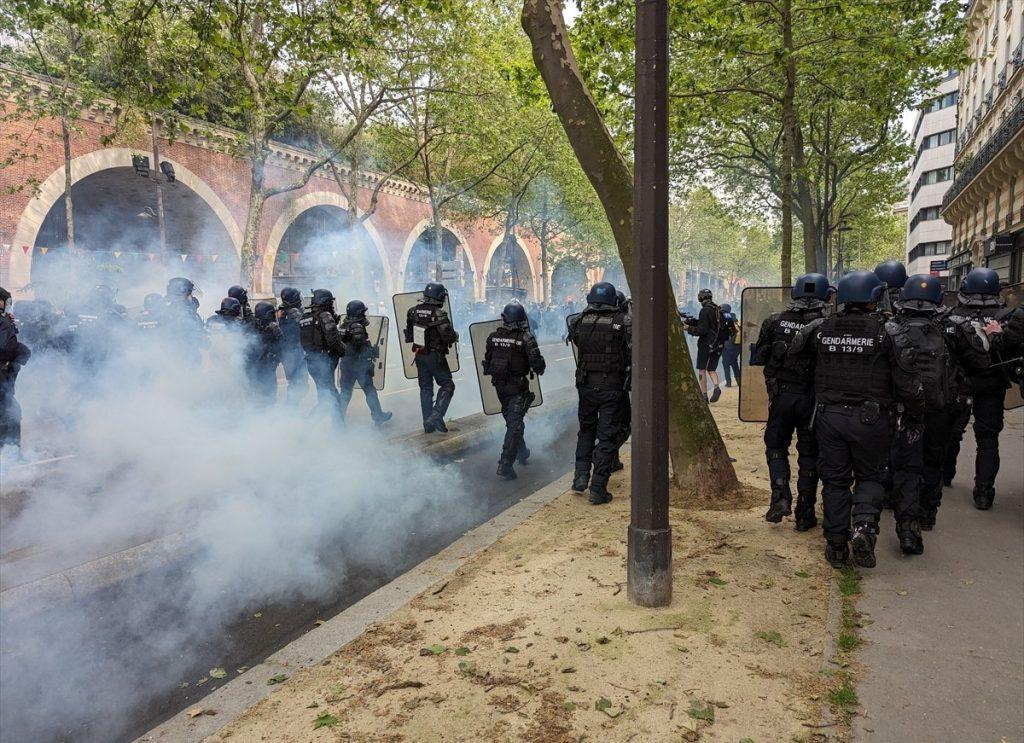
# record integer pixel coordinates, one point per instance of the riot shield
(403, 303)
(377, 332)
(478, 334)
(756, 304)
(568, 324)
(1014, 397)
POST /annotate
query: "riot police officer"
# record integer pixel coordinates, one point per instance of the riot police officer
(153, 307)
(264, 352)
(181, 321)
(710, 342)
(731, 347)
(292, 359)
(321, 342)
(227, 318)
(894, 275)
(512, 354)
(603, 340)
(242, 295)
(936, 349)
(626, 411)
(358, 363)
(858, 379)
(978, 305)
(791, 401)
(431, 333)
(13, 355)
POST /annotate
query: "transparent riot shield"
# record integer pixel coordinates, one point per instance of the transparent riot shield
(756, 304)
(568, 324)
(403, 303)
(377, 332)
(1014, 296)
(478, 334)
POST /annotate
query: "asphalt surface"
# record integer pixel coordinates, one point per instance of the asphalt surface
(945, 646)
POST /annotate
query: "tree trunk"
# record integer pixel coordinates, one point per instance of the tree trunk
(160, 225)
(69, 212)
(788, 143)
(698, 454)
(253, 220)
(545, 274)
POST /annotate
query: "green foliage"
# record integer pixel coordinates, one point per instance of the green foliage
(771, 636)
(849, 582)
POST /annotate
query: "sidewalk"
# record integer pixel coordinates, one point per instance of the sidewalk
(533, 639)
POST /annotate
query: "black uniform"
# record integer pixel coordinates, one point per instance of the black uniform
(13, 355)
(858, 381)
(357, 366)
(292, 358)
(263, 354)
(603, 340)
(790, 383)
(731, 350)
(988, 393)
(431, 359)
(183, 327)
(710, 338)
(513, 354)
(321, 341)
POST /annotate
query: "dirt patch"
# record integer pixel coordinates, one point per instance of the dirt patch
(535, 639)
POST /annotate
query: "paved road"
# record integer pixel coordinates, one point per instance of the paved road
(945, 652)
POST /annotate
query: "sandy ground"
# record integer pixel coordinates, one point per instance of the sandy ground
(535, 640)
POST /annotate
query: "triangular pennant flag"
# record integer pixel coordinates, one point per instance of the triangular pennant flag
(117, 253)
(25, 249)
(43, 250)
(184, 257)
(151, 256)
(214, 257)
(284, 257)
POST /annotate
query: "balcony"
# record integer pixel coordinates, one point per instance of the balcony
(1001, 81)
(1012, 125)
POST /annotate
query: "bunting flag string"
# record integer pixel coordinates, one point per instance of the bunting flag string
(184, 257)
(117, 253)
(25, 249)
(43, 250)
(214, 257)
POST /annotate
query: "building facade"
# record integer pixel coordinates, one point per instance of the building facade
(985, 203)
(929, 236)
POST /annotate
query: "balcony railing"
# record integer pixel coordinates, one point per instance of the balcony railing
(1011, 126)
(1001, 81)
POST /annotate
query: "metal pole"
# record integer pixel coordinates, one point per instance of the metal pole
(649, 566)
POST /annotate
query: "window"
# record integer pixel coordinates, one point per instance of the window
(924, 250)
(939, 103)
(929, 177)
(938, 139)
(925, 214)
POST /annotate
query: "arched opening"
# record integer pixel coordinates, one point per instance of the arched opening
(321, 250)
(452, 268)
(509, 275)
(568, 282)
(117, 239)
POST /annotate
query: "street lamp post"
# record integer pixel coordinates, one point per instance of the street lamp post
(649, 565)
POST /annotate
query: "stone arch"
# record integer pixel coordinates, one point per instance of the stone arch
(52, 190)
(534, 273)
(289, 215)
(410, 242)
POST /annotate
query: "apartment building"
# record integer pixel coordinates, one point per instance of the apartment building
(929, 236)
(985, 203)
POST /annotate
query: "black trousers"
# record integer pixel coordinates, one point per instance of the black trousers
(906, 466)
(938, 427)
(431, 367)
(294, 364)
(600, 413)
(792, 411)
(988, 423)
(10, 416)
(731, 362)
(263, 380)
(853, 456)
(359, 370)
(322, 367)
(959, 417)
(515, 403)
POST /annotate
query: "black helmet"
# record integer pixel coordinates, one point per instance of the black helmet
(291, 297)
(923, 287)
(726, 309)
(620, 299)
(859, 287)
(981, 281)
(264, 312)
(103, 295)
(812, 285)
(322, 297)
(355, 308)
(4, 294)
(180, 287)
(603, 293)
(152, 302)
(239, 293)
(435, 291)
(230, 307)
(704, 295)
(513, 313)
(893, 273)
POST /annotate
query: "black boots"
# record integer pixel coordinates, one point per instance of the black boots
(523, 455)
(927, 520)
(782, 503)
(805, 517)
(837, 554)
(599, 494)
(505, 471)
(617, 464)
(581, 481)
(862, 545)
(909, 534)
(983, 497)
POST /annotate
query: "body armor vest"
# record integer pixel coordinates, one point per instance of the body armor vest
(600, 338)
(508, 355)
(780, 365)
(354, 333)
(311, 335)
(437, 327)
(289, 324)
(972, 319)
(852, 366)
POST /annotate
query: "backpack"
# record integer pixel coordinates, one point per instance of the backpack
(921, 343)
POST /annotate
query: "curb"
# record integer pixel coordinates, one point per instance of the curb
(234, 698)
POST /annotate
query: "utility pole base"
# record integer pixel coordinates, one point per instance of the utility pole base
(649, 567)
